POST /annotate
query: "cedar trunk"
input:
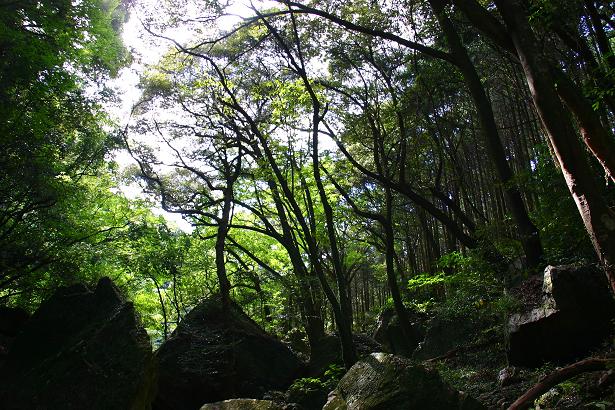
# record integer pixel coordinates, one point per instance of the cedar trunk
(598, 218)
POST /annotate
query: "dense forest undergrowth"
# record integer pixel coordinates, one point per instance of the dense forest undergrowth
(436, 175)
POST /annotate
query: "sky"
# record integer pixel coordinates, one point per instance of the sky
(147, 50)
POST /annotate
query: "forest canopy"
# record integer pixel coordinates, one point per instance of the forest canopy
(332, 158)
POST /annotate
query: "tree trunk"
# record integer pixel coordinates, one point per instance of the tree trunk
(313, 323)
(225, 285)
(398, 304)
(596, 137)
(528, 234)
(557, 377)
(343, 315)
(598, 218)
(165, 323)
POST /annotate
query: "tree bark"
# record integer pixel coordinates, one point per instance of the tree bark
(223, 227)
(528, 233)
(398, 304)
(314, 325)
(599, 141)
(598, 218)
(595, 135)
(557, 377)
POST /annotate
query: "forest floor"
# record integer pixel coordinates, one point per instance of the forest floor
(476, 371)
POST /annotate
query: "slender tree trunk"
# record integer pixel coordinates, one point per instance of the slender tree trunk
(432, 249)
(601, 37)
(344, 316)
(598, 218)
(595, 135)
(165, 323)
(313, 323)
(225, 285)
(398, 304)
(599, 141)
(529, 235)
(175, 296)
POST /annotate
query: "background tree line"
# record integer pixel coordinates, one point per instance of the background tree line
(333, 158)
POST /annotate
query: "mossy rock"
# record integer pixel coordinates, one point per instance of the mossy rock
(242, 404)
(384, 381)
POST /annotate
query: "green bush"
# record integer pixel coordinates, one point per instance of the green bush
(311, 392)
(464, 286)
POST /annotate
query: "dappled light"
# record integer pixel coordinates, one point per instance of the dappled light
(307, 205)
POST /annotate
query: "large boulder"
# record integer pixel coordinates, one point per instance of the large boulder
(81, 349)
(385, 381)
(389, 333)
(214, 355)
(575, 315)
(12, 321)
(444, 335)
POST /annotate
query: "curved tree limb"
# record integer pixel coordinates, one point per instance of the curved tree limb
(588, 365)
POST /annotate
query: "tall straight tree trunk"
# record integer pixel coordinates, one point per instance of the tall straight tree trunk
(598, 218)
(223, 224)
(529, 235)
(398, 304)
(597, 136)
(594, 134)
(344, 316)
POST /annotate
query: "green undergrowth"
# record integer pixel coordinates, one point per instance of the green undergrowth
(463, 286)
(311, 392)
(475, 372)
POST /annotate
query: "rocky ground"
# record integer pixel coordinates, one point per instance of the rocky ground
(85, 348)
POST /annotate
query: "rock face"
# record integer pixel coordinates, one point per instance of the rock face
(329, 351)
(575, 316)
(12, 321)
(215, 355)
(388, 333)
(384, 381)
(443, 336)
(242, 404)
(81, 349)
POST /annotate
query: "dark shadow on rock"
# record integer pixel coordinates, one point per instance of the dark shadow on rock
(575, 316)
(389, 333)
(329, 351)
(444, 335)
(81, 349)
(215, 355)
(12, 320)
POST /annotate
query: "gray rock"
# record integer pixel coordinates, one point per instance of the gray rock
(335, 402)
(242, 404)
(214, 355)
(385, 381)
(575, 316)
(507, 376)
(81, 349)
